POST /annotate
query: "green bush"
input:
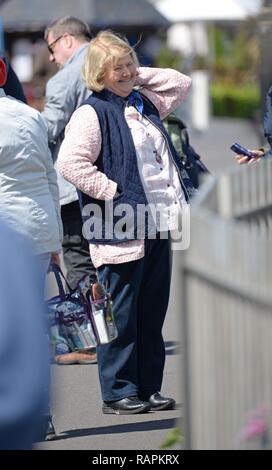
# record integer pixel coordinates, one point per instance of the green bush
(240, 101)
(167, 58)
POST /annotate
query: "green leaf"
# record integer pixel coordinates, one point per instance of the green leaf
(174, 437)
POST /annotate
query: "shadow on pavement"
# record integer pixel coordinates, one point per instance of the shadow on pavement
(119, 428)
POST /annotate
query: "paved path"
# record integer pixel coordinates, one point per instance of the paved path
(214, 144)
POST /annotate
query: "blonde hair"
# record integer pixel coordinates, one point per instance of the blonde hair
(105, 48)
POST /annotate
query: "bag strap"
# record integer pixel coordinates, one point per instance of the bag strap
(59, 276)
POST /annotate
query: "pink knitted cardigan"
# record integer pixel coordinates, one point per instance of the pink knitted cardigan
(166, 88)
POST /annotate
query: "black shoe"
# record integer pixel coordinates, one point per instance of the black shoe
(158, 402)
(50, 431)
(126, 406)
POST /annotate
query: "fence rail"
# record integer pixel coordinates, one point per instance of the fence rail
(226, 302)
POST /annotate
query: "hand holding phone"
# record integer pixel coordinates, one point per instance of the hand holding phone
(237, 148)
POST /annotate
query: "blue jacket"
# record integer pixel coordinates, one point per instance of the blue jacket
(118, 161)
(24, 361)
(268, 121)
(12, 86)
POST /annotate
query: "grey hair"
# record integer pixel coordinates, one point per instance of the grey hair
(70, 25)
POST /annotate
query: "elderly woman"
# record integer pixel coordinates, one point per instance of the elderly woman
(118, 154)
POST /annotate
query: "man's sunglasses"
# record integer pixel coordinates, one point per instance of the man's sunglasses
(50, 46)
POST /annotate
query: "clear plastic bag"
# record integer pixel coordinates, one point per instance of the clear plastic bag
(103, 321)
(81, 318)
(70, 325)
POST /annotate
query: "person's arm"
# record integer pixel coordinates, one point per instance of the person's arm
(78, 153)
(59, 106)
(268, 117)
(51, 175)
(166, 88)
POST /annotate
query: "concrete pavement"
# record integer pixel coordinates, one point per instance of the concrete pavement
(214, 144)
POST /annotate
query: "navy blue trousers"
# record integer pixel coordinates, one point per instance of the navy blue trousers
(75, 248)
(133, 363)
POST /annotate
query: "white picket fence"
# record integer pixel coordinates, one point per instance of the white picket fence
(226, 304)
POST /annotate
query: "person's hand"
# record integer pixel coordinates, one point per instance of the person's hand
(258, 154)
(116, 194)
(55, 259)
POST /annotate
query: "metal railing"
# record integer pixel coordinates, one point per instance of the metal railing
(226, 303)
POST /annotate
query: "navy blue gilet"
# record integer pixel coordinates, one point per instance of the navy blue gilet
(118, 160)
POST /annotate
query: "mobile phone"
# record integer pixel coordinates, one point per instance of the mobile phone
(237, 148)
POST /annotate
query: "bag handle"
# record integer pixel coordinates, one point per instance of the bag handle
(55, 268)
